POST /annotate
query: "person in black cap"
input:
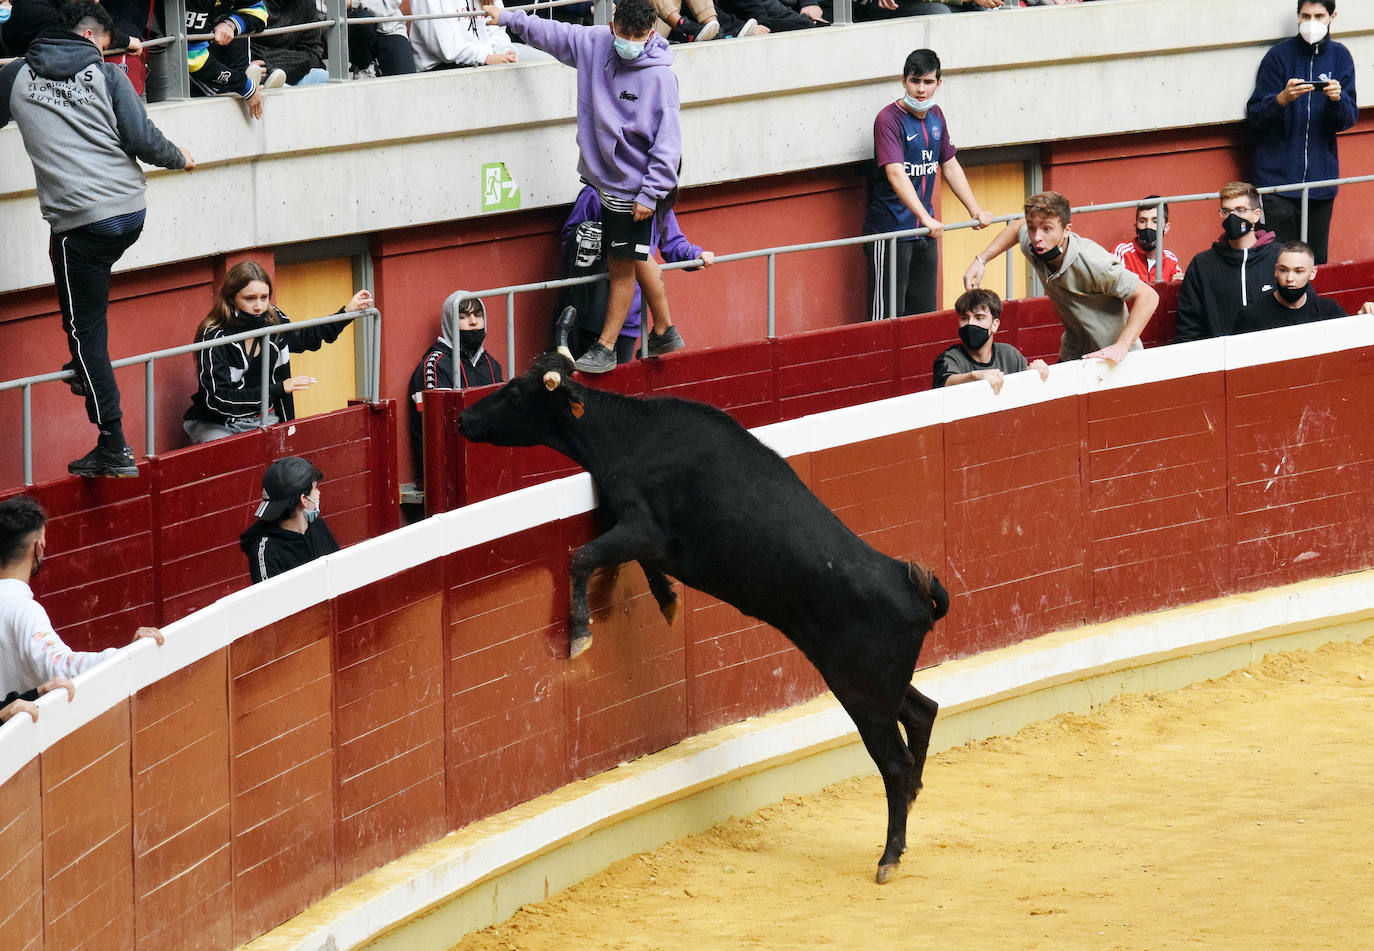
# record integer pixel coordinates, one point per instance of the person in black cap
(289, 530)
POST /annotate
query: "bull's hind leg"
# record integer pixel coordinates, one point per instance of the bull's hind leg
(894, 761)
(662, 590)
(918, 717)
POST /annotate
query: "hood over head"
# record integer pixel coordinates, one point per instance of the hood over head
(61, 55)
(448, 322)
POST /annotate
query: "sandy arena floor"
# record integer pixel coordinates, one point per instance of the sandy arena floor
(1232, 814)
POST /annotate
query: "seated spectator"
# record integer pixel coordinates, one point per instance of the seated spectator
(1236, 269)
(381, 49)
(977, 356)
(676, 28)
(22, 22)
(1139, 255)
(583, 254)
(464, 320)
(774, 16)
(289, 531)
(220, 66)
(299, 56)
(33, 659)
(463, 41)
(228, 398)
(1294, 301)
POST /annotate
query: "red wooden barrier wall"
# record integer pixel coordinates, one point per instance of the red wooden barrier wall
(222, 800)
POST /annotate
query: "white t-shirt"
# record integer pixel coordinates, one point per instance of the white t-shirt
(31, 653)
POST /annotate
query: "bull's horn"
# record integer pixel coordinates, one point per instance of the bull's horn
(551, 380)
(564, 351)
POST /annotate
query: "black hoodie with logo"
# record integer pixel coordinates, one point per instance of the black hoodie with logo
(1219, 282)
(272, 549)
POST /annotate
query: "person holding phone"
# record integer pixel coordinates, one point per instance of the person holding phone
(1304, 95)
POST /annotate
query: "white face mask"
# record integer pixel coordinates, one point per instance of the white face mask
(1313, 31)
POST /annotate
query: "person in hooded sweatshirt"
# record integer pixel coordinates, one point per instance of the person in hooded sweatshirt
(1304, 95)
(464, 319)
(630, 147)
(1237, 269)
(289, 530)
(85, 129)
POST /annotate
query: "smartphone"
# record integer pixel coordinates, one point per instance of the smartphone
(1319, 84)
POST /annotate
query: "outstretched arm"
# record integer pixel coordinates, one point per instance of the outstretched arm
(1004, 242)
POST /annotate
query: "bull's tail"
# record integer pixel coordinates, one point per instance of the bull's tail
(929, 587)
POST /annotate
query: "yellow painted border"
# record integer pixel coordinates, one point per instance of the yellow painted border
(471, 901)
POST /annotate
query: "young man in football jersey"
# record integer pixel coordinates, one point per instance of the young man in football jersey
(912, 145)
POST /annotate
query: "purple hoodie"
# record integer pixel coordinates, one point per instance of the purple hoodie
(674, 247)
(627, 112)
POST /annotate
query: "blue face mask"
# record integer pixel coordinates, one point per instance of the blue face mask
(5, 13)
(312, 514)
(627, 49)
(918, 106)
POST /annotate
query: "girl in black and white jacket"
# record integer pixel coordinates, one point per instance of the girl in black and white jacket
(228, 399)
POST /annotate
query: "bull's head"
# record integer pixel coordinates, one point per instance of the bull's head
(531, 409)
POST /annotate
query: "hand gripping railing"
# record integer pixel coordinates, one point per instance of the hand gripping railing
(892, 237)
(369, 387)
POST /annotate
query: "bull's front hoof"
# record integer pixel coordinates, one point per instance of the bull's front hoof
(578, 644)
(886, 871)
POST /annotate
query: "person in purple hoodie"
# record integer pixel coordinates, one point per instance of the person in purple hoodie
(582, 239)
(630, 146)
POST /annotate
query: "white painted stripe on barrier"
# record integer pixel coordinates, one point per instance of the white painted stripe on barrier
(18, 745)
(98, 690)
(243, 612)
(383, 556)
(185, 641)
(1064, 657)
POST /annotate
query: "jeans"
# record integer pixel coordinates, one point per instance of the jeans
(202, 431)
(81, 263)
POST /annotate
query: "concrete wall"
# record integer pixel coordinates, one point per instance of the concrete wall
(359, 158)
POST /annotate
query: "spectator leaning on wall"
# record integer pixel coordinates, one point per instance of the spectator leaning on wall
(1103, 306)
(1293, 301)
(85, 129)
(33, 659)
(1235, 270)
(1304, 95)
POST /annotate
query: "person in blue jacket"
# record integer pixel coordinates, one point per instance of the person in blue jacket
(584, 255)
(1304, 95)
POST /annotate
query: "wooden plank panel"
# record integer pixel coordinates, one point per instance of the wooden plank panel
(182, 873)
(282, 770)
(21, 874)
(88, 894)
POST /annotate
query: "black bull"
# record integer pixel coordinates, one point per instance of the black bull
(687, 492)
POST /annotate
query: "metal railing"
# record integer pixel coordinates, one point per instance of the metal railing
(368, 388)
(892, 237)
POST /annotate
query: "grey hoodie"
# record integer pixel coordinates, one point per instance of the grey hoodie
(83, 127)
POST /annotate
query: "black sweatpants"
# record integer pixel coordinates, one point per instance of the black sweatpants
(1283, 216)
(81, 262)
(918, 274)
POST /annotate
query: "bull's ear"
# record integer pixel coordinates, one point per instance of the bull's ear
(576, 407)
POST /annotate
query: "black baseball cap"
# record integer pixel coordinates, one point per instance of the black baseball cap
(284, 482)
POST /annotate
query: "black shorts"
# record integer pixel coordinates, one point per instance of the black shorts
(621, 235)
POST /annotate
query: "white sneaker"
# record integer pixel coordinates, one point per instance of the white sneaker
(275, 79)
(749, 28)
(254, 72)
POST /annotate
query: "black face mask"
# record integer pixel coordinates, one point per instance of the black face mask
(974, 336)
(1291, 294)
(1048, 258)
(1237, 227)
(470, 341)
(1147, 238)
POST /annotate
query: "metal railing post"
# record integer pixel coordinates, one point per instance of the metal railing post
(178, 73)
(336, 52)
(28, 434)
(1011, 275)
(148, 430)
(601, 12)
(265, 397)
(510, 333)
(890, 278)
(842, 12)
(1159, 242)
(1302, 233)
(772, 285)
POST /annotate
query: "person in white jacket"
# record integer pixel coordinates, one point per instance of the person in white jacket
(33, 659)
(462, 41)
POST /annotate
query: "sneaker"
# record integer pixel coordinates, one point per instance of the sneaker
(105, 462)
(275, 79)
(562, 328)
(254, 72)
(666, 342)
(689, 31)
(597, 359)
(750, 27)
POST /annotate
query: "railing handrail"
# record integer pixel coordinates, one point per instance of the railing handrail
(369, 386)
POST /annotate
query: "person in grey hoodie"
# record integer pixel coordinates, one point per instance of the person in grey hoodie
(630, 147)
(85, 129)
